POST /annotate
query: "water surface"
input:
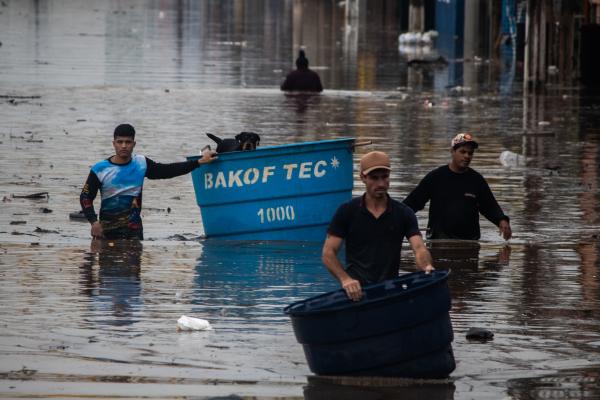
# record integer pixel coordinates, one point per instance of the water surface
(85, 319)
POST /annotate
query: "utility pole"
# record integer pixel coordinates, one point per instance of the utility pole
(416, 16)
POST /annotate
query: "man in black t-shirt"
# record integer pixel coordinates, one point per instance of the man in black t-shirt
(373, 227)
(457, 195)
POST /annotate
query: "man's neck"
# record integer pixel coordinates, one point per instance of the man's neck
(376, 205)
(456, 169)
(119, 160)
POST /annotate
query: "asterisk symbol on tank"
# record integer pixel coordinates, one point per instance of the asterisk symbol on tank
(335, 162)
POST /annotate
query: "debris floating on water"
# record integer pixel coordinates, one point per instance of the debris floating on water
(77, 215)
(480, 334)
(40, 195)
(510, 159)
(185, 323)
(42, 230)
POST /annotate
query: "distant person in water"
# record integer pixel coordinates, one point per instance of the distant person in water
(120, 179)
(302, 79)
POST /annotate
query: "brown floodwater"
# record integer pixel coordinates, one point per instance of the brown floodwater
(82, 320)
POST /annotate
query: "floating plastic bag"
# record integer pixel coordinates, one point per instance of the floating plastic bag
(510, 159)
(185, 323)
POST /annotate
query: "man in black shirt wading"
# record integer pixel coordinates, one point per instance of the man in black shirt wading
(303, 79)
(373, 227)
(458, 194)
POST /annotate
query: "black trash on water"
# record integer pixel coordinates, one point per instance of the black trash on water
(480, 334)
(78, 215)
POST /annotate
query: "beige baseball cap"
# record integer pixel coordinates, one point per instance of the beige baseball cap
(374, 160)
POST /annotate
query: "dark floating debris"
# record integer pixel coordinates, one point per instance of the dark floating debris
(18, 222)
(77, 215)
(7, 96)
(177, 237)
(183, 237)
(42, 230)
(58, 347)
(480, 334)
(15, 233)
(552, 167)
(22, 373)
(45, 210)
(40, 195)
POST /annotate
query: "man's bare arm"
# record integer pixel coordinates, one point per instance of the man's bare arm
(422, 255)
(331, 247)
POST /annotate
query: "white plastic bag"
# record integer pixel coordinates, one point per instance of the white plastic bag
(185, 323)
(510, 159)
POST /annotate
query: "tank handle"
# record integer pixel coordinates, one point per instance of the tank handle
(364, 143)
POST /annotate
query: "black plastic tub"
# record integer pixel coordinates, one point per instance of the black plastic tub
(400, 328)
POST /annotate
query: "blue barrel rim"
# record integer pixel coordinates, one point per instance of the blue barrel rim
(436, 276)
(287, 146)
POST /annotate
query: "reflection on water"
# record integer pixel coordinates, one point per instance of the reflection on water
(301, 103)
(339, 388)
(583, 384)
(460, 255)
(77, 320)
(250, 281)
(113, 285)
(462, 258)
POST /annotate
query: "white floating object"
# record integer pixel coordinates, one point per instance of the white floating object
(510, 159)
(185, 323)
(417, 38)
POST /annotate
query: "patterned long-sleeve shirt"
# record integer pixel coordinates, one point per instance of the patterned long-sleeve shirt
(120, 188)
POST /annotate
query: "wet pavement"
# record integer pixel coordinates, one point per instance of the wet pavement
(87, 319)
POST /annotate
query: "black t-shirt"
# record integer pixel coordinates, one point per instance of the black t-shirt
(373, 245)
(302, 79)
(456, 201)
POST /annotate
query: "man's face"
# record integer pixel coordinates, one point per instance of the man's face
(123, 146)
(462, 156)
(377, 183)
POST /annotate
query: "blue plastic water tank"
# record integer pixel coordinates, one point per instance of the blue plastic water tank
(285, 192)
(400, 328)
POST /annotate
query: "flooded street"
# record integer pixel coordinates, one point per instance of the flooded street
(85, 319)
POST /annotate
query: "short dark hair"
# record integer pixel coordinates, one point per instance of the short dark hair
(124, 130)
